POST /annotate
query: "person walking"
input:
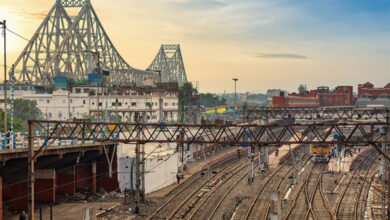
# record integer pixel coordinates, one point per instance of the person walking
(22, 216)
(178, 178)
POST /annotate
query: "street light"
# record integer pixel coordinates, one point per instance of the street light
(235, 90)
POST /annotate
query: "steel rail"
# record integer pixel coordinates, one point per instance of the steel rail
(336, 212)
(356, 205)
(174, 212)
(179, 193)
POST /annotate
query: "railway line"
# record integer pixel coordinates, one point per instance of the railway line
(259, 209)
(348, 204)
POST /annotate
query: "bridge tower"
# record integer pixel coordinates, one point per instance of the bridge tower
(69, 42)
(169, 62)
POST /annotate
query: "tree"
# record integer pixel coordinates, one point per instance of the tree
(27, 110)
(188, 94)
(211, 100)
(18, 123)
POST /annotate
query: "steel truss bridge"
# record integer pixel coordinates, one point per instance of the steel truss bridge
(322, 113)
(73, 45)
(169, 63)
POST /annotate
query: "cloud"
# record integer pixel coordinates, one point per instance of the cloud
(280, 55)
(32, 15)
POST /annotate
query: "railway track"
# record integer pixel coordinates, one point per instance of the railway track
(266, 184)
(346, 211)
(190, 201)
(185, 189)
(297, 195)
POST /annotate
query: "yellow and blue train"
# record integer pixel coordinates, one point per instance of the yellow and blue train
(320, 152)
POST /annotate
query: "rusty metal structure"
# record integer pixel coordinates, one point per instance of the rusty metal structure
(349, 133)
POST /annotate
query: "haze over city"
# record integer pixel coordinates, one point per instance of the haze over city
(266, 44)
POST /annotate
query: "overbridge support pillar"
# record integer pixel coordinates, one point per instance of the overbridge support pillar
(45, 180)
(66, 181)
(1, 198)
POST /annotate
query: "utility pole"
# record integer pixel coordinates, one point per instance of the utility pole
(266, 147)
(5, 76)
(12, 77)
(31, 172)
(235, 90)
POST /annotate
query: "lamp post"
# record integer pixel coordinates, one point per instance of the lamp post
(5, 77)
(235, 90)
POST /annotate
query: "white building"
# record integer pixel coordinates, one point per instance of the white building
(151, 104)
(61, 105)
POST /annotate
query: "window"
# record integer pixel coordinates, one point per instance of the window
(78, 90)
(84, 102)
(335, 98)
(47, 101)
(119, 103)
(155, 103)
(86, 90)
(133, 104)
(100, 104)
(93, 103)
(63, 101)
(173, 104)
(60, 115)
(113, 104)
(341, 98)
(71, 101)
(330, 98)
(166, 104)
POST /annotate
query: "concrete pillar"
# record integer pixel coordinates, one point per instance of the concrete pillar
(66, 181)
(15, 194)
(45, 182)
(1, 198)
(93, 187)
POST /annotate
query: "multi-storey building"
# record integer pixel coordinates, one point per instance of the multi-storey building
(154, 103)
(322, 96)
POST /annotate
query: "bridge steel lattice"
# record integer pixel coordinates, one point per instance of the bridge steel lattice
(73, 45)
(169, 62)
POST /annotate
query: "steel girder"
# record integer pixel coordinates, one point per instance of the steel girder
(170, 62)
(65, 45)
(349, 133)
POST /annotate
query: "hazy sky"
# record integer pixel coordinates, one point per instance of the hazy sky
(264, 43)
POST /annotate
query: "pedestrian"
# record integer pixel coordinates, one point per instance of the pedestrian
(178, 178)
(22, 216)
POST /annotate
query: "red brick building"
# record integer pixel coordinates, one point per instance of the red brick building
(322, 96)
(367, 90)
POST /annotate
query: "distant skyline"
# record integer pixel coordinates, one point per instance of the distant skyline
(266, 44)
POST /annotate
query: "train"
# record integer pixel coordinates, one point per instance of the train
(320, 152)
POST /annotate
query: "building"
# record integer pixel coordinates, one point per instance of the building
(151, 103)
(367, 90)
(322, 96)
(368, 96)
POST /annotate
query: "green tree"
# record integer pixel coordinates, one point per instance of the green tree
(188, 94)
(211, 100)
(18, 123)
(27, 110)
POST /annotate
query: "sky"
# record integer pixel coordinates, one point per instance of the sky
(265, 44)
